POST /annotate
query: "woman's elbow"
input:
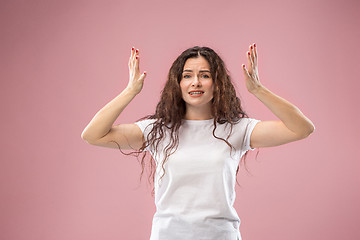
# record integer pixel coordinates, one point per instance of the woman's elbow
(309, 130)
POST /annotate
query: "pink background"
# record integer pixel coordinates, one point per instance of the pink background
(62, 61)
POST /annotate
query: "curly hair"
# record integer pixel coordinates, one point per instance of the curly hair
(170, 110)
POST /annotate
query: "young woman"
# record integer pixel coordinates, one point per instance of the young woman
(196, 137)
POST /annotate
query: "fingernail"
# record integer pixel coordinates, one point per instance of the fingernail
(254, 45)
(248, 53)
(136, 57)
(137, 50)
(251, 47)
(132, 48)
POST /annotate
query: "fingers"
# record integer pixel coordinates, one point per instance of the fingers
(253, 53)
(252, 57)
(131, 59)
(142, 77)
(247, 74)
(250, 60)
(134, 62)
(137, 60)
(134, 58)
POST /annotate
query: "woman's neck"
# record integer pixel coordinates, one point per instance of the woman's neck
(198, 114)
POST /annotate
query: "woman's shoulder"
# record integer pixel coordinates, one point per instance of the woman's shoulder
(246, 120)
(146, 120)
(244, 123)
(145, 123)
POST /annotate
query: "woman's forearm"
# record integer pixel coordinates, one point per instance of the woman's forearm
(288, 113)
(103, 120)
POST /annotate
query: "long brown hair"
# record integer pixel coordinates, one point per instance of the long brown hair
(170, 110)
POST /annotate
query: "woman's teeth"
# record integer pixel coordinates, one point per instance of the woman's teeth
(195, 93)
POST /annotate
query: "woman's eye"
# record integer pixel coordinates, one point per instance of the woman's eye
(189, 76)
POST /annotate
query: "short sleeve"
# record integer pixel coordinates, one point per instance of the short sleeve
(145, 127)
(251, 123)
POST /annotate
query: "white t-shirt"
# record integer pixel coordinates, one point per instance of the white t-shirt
(195, 197)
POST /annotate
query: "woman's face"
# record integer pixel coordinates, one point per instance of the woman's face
(196, 83)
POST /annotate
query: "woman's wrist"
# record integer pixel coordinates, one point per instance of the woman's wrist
(259, 90)
(130, 91)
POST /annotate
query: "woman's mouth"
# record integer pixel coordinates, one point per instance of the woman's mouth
(196, 93)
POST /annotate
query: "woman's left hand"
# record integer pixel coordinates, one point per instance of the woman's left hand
(251, 72)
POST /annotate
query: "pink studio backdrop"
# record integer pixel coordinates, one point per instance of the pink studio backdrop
(62, 61)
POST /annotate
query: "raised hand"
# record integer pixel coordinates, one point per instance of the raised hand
(136, 80)
(251, 72)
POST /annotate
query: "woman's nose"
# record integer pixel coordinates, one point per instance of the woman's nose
(196, 82)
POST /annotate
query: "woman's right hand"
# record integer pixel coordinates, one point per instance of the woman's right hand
(136, 80)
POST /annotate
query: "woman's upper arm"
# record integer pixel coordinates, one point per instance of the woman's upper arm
(272, 133)
(128, 136)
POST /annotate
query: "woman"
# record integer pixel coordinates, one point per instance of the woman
(197, 136)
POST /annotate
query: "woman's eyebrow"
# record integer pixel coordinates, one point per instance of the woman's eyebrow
(188, 70)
